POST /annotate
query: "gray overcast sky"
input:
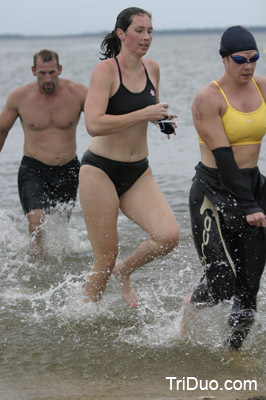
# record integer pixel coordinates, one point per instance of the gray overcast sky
(80, 16)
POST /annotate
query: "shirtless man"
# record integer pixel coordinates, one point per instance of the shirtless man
(49, 110)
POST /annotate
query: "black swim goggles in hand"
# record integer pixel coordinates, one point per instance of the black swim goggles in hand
(243, 60)
(166, 126)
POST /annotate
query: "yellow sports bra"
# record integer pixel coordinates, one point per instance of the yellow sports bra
(244, 128)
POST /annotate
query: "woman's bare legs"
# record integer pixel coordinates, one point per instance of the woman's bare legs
(100, 205)
(145, 204)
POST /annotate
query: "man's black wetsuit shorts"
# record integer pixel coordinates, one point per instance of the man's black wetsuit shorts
(43, 186)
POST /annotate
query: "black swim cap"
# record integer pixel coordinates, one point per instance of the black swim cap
(236, 38)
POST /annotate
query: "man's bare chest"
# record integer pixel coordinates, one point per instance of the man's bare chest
(53, 115)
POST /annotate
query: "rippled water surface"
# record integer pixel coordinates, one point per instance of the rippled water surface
(53, 346)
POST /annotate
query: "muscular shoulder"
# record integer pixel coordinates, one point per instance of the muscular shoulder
(261, 82)
(75, 89)
(208, 100)
(18, 95)
(208, 93)
(72, 85)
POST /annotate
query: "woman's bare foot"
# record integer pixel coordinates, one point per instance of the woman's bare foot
(87, 294)
(95, 285)
(128, 293)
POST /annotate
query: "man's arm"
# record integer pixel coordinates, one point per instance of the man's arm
(8, 117)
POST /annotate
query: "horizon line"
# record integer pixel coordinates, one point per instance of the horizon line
(103, 32)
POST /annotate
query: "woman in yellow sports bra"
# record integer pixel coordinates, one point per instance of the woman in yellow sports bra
(228, 194)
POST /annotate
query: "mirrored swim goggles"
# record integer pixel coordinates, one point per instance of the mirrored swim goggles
(243, 60)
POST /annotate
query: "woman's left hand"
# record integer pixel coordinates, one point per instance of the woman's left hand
(171, 117)
(256, 219)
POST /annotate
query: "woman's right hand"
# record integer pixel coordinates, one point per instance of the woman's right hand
(157, 112)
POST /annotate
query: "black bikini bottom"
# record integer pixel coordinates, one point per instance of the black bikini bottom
(122, 174)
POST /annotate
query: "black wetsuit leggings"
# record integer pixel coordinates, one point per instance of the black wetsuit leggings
(232, 252)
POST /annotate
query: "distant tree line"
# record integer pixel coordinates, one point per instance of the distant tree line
(190, 31)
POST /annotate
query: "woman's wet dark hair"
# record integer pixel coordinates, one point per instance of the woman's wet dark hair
(111, 44)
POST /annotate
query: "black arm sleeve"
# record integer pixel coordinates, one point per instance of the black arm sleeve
(232, 180)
